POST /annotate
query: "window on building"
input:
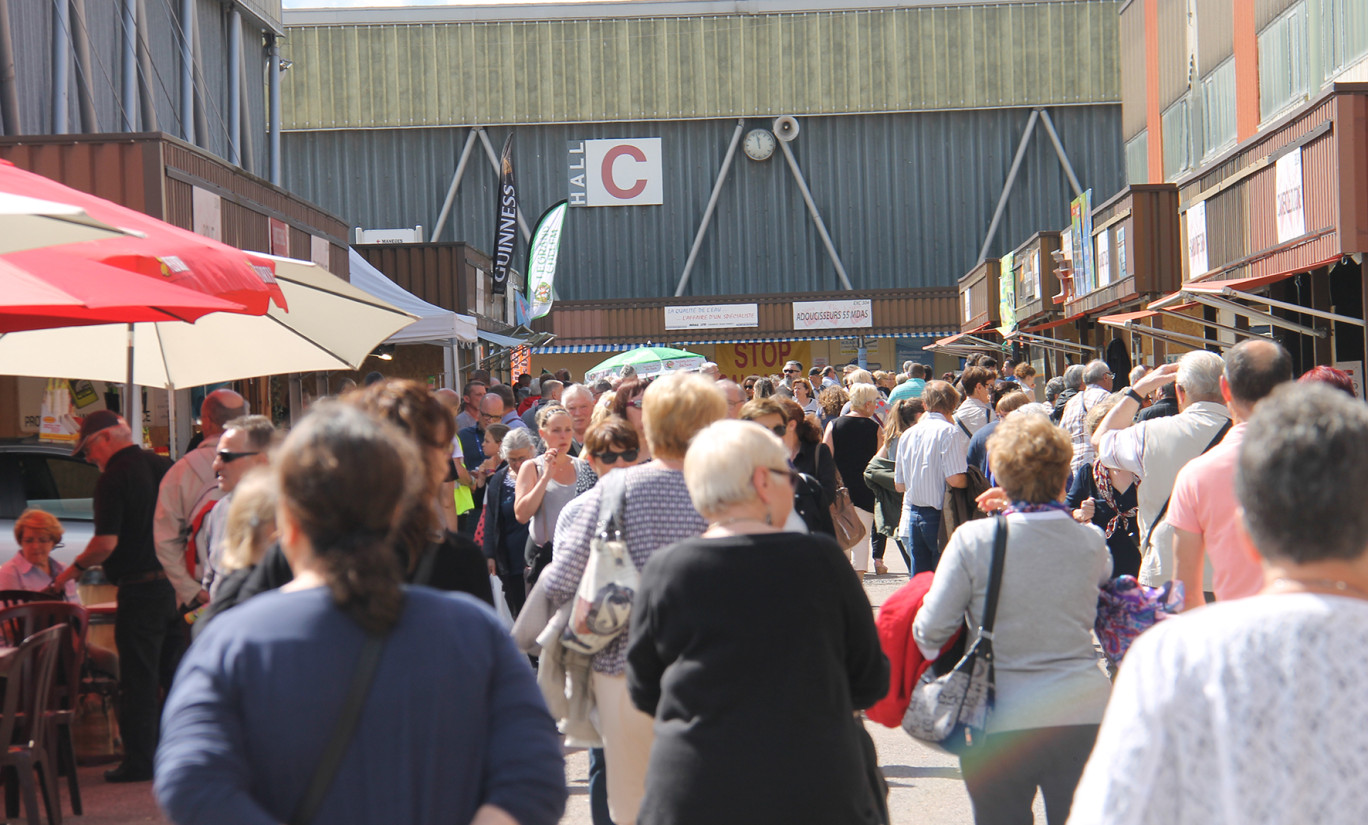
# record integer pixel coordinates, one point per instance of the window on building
(1137, 158)
(1177, 139)
(1283, 62)
(1218, 109)
(1344, 34)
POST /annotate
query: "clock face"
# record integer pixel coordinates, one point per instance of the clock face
(759, 144)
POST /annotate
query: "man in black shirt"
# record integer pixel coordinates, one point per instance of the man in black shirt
(147, 632)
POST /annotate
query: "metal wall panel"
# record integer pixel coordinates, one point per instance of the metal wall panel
(1173, 51)
(1266, 10)
(1133, 96)
(907, 197)
(1215, 34)
(755, 65)
(895, 312)
(32, 27)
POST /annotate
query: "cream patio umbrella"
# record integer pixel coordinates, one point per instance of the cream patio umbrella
(330, 325)
(32, 223)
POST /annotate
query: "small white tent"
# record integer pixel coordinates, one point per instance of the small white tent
(434, 325)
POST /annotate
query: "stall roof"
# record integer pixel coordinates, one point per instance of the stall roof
(433, 324)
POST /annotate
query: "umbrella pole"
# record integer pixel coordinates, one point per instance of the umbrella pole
(128, 383)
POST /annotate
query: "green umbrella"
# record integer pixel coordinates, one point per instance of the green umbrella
(646, 361)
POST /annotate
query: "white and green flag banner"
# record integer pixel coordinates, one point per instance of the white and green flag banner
(541, 260)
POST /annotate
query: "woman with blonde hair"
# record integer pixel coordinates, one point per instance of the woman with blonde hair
(656, 511)
(248, 532)
(1050, 692)
(546, 484)
(37, 532)
(713, 659)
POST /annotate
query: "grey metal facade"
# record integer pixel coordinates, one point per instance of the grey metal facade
(907, 197)
(32, 24)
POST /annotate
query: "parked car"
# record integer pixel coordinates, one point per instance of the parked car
(47, 477)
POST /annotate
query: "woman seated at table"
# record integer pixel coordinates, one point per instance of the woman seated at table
(33, 567)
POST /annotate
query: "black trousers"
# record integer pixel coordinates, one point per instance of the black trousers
(150, 636)
(1004, 770)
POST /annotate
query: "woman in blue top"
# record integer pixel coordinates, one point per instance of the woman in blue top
(452, 728)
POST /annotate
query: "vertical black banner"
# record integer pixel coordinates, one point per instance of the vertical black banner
(505, 220)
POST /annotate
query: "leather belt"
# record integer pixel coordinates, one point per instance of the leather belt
(141, 578)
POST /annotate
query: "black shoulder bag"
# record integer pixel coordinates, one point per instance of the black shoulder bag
(342, 732)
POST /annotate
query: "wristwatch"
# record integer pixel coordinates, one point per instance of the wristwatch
(1131, 393)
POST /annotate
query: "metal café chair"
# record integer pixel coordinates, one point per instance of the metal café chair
(26, 696)
(23, 621)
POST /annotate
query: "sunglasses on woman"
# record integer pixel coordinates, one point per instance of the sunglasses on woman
(611, 456)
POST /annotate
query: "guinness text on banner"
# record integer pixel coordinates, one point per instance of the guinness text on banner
(505, 220)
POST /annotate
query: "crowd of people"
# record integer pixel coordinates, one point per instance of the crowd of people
(312, 564)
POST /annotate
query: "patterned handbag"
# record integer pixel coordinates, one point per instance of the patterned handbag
(948, 710)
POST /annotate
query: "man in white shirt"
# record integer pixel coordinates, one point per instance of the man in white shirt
(1097, 386)
(977, 409)
(1157, 449)
(187, 492)
(931, 456)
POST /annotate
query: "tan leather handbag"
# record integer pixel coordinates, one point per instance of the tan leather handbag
(850, 531)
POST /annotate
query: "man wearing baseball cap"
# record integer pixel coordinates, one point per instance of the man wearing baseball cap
(146, 629)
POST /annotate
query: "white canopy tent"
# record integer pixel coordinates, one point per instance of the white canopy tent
(434, 325)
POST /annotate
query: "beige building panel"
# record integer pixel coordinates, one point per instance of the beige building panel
(553, 71)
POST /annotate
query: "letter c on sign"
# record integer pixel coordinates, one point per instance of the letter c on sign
(609, 159)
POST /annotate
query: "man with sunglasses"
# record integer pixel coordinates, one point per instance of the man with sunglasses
(792, 370)
(242, 448)
(148, 632)
(187, 493)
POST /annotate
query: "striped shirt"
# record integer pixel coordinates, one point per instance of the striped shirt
(657, 512)
(1075, 421)
(928, 454)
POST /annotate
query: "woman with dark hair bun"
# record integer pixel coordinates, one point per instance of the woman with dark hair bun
(450, 725)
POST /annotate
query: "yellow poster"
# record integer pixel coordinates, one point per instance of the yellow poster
(736, 361)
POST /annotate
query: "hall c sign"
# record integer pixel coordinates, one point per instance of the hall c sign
(624, 172)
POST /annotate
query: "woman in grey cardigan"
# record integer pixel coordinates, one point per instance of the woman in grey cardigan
(1051, 693)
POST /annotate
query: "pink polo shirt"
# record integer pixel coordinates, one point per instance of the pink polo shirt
(1204, 503)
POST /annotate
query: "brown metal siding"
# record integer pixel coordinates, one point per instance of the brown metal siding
(1240, 192)
(1153, 249)
(1173, 57)
(1215, 34)
(1042, 244)
(442, 274)
(981, 285)
(1133, 99)
(154, 173)
(907, 311)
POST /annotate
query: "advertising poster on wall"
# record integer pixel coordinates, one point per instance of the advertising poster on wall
(833, 314)
(1291, 216)
(1197, 240)
(736, 361)
(1006, 295)
(712, 316)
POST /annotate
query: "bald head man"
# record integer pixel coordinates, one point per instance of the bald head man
(188, 491)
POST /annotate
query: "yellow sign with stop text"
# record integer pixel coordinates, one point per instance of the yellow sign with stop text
(736, 361)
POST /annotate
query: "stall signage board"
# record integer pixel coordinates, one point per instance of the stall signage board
(736, 361)
(1197, 240)
(1007, 295)
(857, 314)
(1290, 214)
(712, 316)
(1104, 258)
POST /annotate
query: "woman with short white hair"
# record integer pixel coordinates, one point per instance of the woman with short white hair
(714, 659)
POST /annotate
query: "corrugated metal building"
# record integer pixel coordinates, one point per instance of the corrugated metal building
(910, 119)
(33, 25)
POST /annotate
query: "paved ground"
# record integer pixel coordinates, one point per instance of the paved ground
(924, 785)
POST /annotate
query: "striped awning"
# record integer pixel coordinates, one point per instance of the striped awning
(574, 348)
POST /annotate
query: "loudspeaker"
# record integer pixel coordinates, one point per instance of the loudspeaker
(786, 128)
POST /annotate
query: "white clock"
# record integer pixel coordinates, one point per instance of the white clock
(759, 144)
